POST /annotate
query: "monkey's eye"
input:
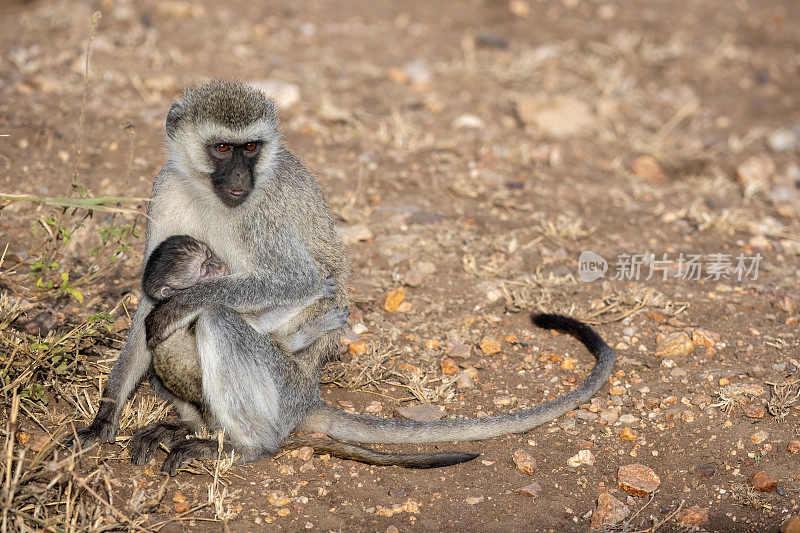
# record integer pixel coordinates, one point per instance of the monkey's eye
(222, 147)
(252, 145)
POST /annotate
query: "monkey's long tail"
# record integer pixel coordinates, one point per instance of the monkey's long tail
(344, 450)
(370, 429)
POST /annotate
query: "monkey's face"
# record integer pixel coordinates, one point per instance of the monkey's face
(234, 169)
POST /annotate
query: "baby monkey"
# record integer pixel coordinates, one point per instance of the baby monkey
(179, 263)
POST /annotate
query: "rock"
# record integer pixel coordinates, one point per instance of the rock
(755, 411)
(676, 343)
(583, 457)
(354, 233)
(472, 500)
(559, 117)
(702, 337)
(449, 367)
(705, 471)
(468, 122)
(786, 304)
(418, 72)
(609, 512)
(424, 412)
(330, 112)
(792, 525)
(567, 424)
(504, 401)
(794, 446)
(490, 346)
(762, 482)
(637, 479)
(394, 299)
(756, 371)
(755, 172)
(519, 8)
(285, 94)
(529, 490)
(628, 419)
(758, 437)
(305, 453)
(783, 140)
(357, 347)
(693, 516)
(464, 381)
(608, 416)
(629, 434)
(647, 167)
(524, 461)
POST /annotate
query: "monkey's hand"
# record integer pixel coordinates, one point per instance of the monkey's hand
(168, 317)
(102, 430)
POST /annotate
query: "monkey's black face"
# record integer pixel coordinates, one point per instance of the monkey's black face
(233, 176)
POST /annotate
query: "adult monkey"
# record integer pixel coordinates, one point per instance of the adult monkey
(222, 138)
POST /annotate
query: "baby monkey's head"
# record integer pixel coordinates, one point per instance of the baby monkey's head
(179, 263)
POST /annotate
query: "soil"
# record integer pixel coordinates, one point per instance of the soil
(472, 150)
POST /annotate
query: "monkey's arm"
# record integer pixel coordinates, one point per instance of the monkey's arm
(251, 294)
(127, 373)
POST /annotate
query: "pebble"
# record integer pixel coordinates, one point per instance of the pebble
(755, 171)
(359, 328)
(637, 479)
(472, 500)
(529, 490)
(464, 381)
(704, 470)
(674, 344)
(559, 117)
(468, 121)
(794, 446)
(693, 516)
(758, 437)
(305, 453)
(524, 461)
(755, 411)
(586, 415)
(354, 233)
(583, 457)
(647, 167)
(783, 140)
(704, 337)
(423, 412)
(393, 299)
(609, 512)
(567, 424)
(285, 94)
(608, 416)
(490, 346)
(628, 419)
(629, 434)
(756, 371)
(504, 401)
(792, 525)
(762, 482)
(449, 367)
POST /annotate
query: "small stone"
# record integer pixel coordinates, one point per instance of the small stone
(762, 482)
(424, 412)
(179, 497)
(568, 424)
(792, 525)
(617, 391)
(392, 529)
(647, 167)
(794, 446)
(490, 346)
(628, 419)
(704, 470)
(756, 371)
(464, 381)
(608, 416)
(374, 407)
(702, 337)
(758, 437)
(359, 328)
(181, 507)
(305, 453)
(755, 172)
(354, 233)
(357, 347)
(755, 411)
(284, 94)
(504, 401)
(472, 500)
(520, 8)
(583, 457)
(524, 461)
(786, 304)
(629, 434)
(449, 367)
(676, 343)
(529, 490)
(278, 498)
(693, 516)
(558, 117)
(783, 140)
(637, 479)
(468, 121)
(609, 512)
(394, 299)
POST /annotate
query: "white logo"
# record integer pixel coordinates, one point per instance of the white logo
(591, 266)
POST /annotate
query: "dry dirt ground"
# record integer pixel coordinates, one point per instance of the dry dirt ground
(471, 151)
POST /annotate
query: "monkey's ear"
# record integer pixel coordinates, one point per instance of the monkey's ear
(174, 117)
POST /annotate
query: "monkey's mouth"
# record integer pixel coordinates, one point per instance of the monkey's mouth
(235, 192)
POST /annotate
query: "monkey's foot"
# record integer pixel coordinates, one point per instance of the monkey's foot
(184, 451)
(145, 442)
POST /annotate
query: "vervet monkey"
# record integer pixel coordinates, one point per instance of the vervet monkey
(230, 184)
